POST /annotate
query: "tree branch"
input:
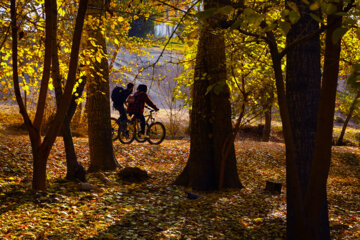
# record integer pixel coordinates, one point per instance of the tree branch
(47, 66)
(167, 43)
(172, 6)
(15, 66)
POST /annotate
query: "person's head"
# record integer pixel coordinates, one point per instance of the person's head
(130, 86)
(142, 88)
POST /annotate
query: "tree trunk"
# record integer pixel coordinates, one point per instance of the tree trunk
(348, 117)
(316, 198)
(267, 126)
(42, 149)
(303, 78)
(75, 171)
(210, 124)
(98, 97)
(292, 178)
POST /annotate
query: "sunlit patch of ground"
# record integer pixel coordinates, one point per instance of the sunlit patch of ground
(156, 209)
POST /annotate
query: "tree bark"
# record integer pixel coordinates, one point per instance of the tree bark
(292, 178)
(75, 171)
(41, 150)
(267, 126)
(303, 80)
(210, 124)
(98, 97)
(348, 117)
(316, 198)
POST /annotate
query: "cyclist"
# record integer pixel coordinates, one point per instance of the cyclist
(119, 96)
(136, 107)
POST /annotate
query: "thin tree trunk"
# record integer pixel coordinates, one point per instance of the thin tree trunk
(267, 126)
(75, 171)
(40, 149)
(210, 116)
(98, 97)
(348, 117)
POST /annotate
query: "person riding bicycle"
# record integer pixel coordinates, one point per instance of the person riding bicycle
(136, 108)
(119, 96)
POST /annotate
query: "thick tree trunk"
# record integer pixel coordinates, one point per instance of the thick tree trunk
(316, 198)
(303, 79)
(292, 178)
(210, 117)
(98, 100)
(348, 117)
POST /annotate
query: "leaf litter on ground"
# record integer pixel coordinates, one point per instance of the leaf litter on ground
(156, 209)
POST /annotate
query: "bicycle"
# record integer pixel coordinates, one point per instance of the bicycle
(128, 131)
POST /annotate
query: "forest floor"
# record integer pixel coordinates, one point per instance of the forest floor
(156, 209)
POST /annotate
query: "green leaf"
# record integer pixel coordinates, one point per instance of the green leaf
(314, 6)
(225, 10)
(329, 8)
(285, 27)
(203, 15)
(316, 18)
(219, 87)
(293, 6)
(284, 13)
(294, 17)
(338, 34)
(237, 23)
(209, 88)
(354, 78)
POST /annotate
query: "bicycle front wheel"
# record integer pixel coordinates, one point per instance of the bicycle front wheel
(139, 137)
(156, 132)
(114, 128)
(127, 133)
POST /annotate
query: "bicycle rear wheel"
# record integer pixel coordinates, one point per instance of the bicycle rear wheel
(156, 132)
(114, 128)
(127, 133)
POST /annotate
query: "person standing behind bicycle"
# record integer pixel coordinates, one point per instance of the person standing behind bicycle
(119, 96)
(136, 107)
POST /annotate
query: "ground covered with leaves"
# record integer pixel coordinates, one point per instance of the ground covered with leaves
(156, 209)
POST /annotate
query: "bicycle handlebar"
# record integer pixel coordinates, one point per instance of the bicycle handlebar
(151, 110)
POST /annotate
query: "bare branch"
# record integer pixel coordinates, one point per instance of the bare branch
(167, 43)
(172, 6)
(15, 66)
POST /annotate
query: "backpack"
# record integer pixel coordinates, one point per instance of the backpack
(131, 99)
(116, 95)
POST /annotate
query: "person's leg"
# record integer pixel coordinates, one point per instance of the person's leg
(122, 111)
(141, 117)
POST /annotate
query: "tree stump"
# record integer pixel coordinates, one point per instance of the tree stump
(273, 188)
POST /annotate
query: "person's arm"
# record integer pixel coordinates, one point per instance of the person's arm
(150, 103)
